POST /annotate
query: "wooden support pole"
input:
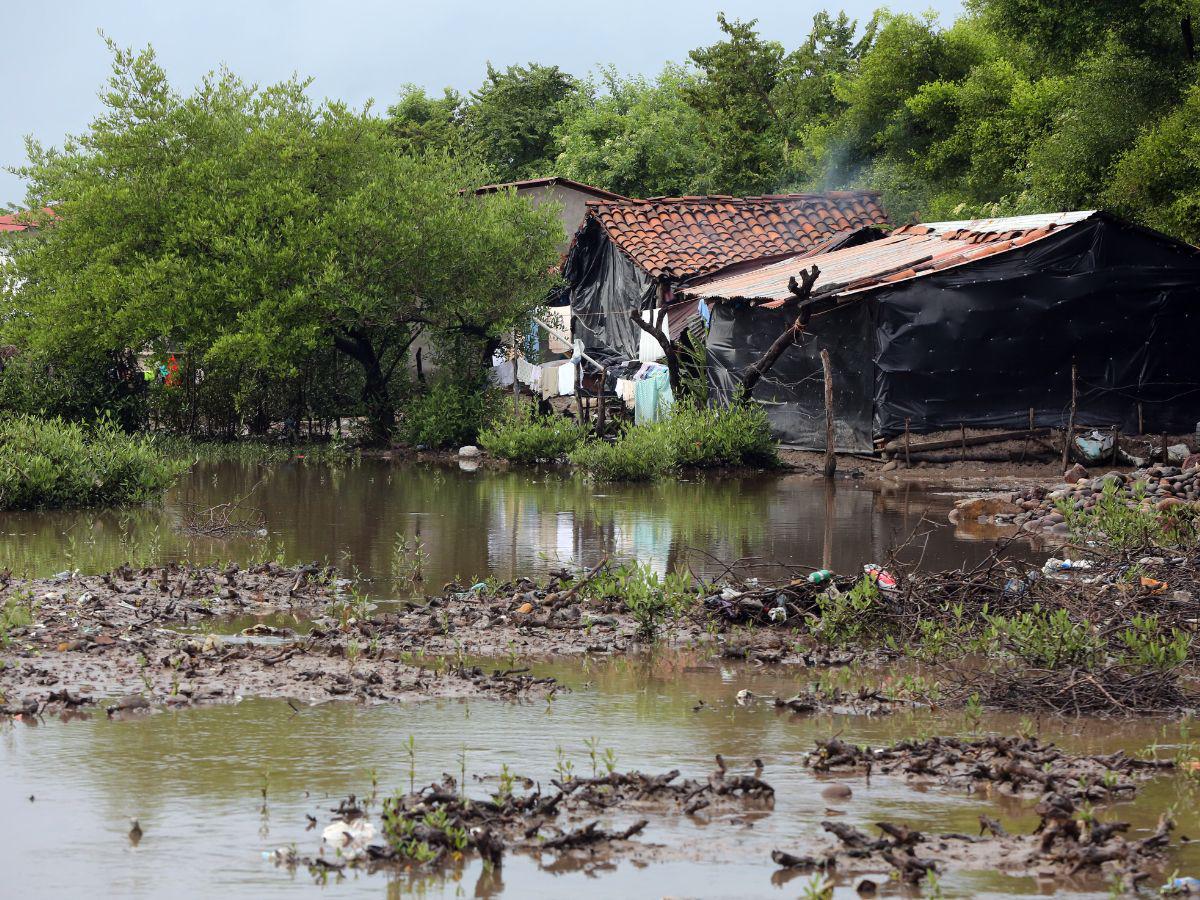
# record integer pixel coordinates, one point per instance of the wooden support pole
(1141, 421)
(962, 447)
(601, 410)
(830, 459)
(1164, 448)
(1025, 447)
(1070, 434)
(907, 443)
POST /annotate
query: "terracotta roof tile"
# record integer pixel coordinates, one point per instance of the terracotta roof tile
(689, 236)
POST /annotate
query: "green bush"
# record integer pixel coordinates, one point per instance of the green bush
(52, 463)
(691, 437)
(638, 454)
(532, 438)
(450, 414)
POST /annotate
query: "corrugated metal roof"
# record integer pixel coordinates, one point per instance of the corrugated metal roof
(683, 237)
(908, 252)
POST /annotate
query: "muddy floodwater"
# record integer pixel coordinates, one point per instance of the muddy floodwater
(502, 523)
(195, 778)
(217, 789)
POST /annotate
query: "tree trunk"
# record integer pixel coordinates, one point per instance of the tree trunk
(800, 290)
(654, 329)
(376, 395)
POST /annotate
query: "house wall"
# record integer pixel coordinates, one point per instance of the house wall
(573, 205)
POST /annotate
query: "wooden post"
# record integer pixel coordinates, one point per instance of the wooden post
(579, 410)
(830, 459)
(1141, 421)
(601, 411)
(1164, 448)
(516, 381)
(1116, 450)
(1070, 435)
(907, 460)
(962, 436)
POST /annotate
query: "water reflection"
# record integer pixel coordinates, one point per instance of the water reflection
(488, 522)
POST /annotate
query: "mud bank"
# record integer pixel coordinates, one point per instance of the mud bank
(153, 637)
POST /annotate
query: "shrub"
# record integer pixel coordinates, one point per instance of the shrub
(533, 438)
(449, 415)
(638, 454)
(52, 463)
(707, 437)
(691, 437)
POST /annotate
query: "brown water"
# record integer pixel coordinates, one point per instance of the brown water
(485, 522)
(194, 779)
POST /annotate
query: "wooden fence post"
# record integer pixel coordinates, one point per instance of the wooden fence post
(1070, 435)
(830, 459)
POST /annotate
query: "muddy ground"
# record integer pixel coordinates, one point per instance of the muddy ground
(151, 637)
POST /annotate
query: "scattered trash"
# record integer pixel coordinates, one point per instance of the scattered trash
(1054, 564)
(820, 576)
(745, 696)
(478, 586)
(1155, 586)
(350, 839)
(1182, 885)
(778, 613)
(882, 577)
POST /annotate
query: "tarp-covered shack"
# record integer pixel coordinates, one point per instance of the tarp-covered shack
(972, 323)
(629, 254)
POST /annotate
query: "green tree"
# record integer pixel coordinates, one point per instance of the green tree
(248, 230)
(511, 119)
(733, 96)
(424, 124)
(635, 136)
(1157, 180)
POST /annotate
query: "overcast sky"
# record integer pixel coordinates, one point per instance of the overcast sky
(355, 49)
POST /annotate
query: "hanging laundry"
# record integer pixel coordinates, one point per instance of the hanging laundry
(653, 398)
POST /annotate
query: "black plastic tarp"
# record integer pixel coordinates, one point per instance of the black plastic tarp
(793, 390)
(604, 286)
(984, 344)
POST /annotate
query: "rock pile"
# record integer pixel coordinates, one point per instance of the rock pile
(1038, 508)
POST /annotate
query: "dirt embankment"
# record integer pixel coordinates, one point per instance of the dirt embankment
(151, 637)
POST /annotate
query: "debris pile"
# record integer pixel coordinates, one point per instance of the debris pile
(439, 823)
(1018, 766)
(1069, 837)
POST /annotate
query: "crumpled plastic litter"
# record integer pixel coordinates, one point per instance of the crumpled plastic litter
(350, 839)
(881, 576)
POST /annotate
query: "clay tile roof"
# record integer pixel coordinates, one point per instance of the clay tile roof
(19, 221)
(689, 236)
(911, 251)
